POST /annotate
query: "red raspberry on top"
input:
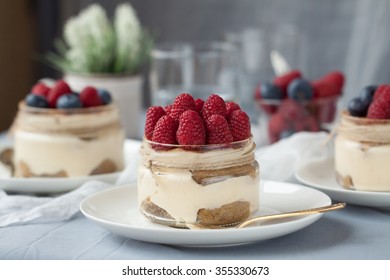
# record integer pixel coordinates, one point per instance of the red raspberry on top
(199, 105)
(329, 85)
(153, 114)
(165, 131)
(240, 126)
(60, 88)
(214, 105)
(218, 130)
(284, 80)
(230, 107)
(40, 89)
(168, 109)
(182, 103)
(335, 78)
(381, 90)
(90, 98)
(380, 107)
(191, 130)
(323, 89)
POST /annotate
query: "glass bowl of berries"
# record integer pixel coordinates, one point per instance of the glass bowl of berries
(292, 103)
(197, 163)
(62, 133)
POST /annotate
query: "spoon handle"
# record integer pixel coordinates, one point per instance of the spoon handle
(293, 214)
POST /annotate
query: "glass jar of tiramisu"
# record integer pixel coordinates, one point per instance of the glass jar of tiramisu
(67, 142)
(362, 153)
(206, 184)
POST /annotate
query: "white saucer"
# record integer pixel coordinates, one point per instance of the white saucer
(116, 210)
(321, 175)
(59, 185)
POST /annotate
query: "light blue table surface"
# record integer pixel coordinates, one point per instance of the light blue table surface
(352, 233)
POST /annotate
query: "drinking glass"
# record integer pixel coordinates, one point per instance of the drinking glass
(199, 69)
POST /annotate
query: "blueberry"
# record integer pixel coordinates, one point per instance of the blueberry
(286, 133)
(105, 96)
(357, 108)
(36, 100)
(68, 101)
(270, 91)
(300, 90)
(367, 94)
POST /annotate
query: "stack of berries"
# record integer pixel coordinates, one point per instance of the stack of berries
(373, 103)
(297, 104)
(190, 122)
(61, 96)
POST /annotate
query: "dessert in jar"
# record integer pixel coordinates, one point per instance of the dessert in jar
(362, 146)
(198, 163)
(59, 133)
(291, 103)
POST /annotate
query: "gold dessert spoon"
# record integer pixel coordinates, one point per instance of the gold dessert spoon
(263, 218)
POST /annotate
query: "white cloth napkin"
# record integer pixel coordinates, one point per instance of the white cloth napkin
(281, 160)
(23, 209)
(277, 162)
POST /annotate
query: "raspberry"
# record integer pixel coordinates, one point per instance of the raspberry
(381, 90)
(153, 114)
(230, 107)
(380, 108)
(240, 126)
(214, 105)
(191, 130)
(284, 80)
(60, 88)
(40, 89)
(323, 89)
(182, 103)
(168, 109)
(291, 110)
(218, 130)
(336, 79)
(164, 132)
(199, 105)
(276, 125)
(89, 96)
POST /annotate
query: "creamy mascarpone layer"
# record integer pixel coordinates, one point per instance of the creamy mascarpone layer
(173, 188)
(367, 165)
(52, 153)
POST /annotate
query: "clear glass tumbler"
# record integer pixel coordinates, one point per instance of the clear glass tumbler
(201, 68)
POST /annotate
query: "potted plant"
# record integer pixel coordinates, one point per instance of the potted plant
(110, 55)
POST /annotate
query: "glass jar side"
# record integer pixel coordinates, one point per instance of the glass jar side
(212, 185)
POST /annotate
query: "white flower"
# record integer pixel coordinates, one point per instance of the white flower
(73, 32)
(128, 32)
(78, 59)
(95, 45)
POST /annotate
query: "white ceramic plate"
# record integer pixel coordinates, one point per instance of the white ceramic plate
(116, 210)
(321, 175)
(59, 185)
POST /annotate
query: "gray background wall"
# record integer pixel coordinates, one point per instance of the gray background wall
(350, 35)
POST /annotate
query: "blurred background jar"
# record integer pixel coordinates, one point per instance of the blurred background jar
(68, 142)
